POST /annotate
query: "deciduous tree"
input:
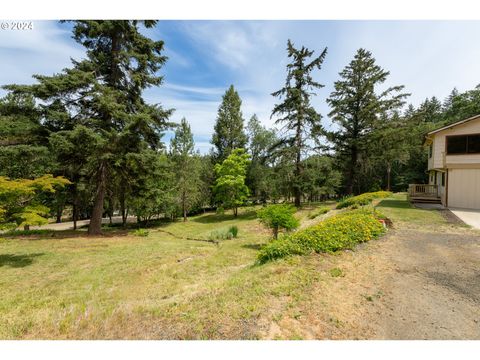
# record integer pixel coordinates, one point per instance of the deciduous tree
(230, 189)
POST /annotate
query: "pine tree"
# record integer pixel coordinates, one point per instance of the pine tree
(260, 142)
(187, 167)
(104, 94)
(229, 131)
(357, 107)
(301, 121)
(24, 149)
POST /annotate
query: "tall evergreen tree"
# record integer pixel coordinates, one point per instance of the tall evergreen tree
(357, 108)
(229, 131)
(259, 174)
(459, 106)
(104, 93)
(186, 167)
(296, 113)
(23, 140)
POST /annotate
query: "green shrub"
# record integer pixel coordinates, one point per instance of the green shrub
(342, 231)
(280, 248)
(233, 230)
(318, 212)
(278, 217)
(363, 199)
(141, 232)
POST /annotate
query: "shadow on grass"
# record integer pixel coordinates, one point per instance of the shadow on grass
(216, 218)
(61, 234)
(18, 261)
(253, 246)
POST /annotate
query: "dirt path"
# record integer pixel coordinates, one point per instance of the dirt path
(434, 290)
(68, 225)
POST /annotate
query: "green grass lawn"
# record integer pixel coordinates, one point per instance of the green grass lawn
(64, 285)
(402, 213)
(159, 286)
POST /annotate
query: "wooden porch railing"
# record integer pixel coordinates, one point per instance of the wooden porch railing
(422, 190)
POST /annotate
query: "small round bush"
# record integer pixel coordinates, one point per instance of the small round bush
(278, 217)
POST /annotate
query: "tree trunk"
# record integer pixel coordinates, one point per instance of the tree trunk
(26, 227)
(184, 206)
(95, 226)
(122, 206)
(75, 215)
(298, 168)
(351, 170)
(275, 232)
(389, 175)
(235, 211)
(75, 208)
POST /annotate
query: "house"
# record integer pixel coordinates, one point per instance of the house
(453, 166)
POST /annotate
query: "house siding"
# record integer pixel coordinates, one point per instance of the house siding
(439, 160)
(462, 179)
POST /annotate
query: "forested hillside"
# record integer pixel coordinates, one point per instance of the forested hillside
(91, 125)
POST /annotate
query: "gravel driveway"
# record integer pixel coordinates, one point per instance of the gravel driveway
(434, 290)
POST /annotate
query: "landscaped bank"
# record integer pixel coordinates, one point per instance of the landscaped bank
(362, 199)
(342, 231)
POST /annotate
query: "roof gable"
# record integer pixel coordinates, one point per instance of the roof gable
(461, 122)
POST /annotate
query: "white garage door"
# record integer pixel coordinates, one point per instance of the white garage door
(464, 188)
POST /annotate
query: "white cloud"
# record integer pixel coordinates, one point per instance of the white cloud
(194, 89)
(46, 49)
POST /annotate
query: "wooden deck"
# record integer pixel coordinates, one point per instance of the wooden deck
(424, 193)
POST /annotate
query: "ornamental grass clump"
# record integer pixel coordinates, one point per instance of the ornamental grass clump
(362, 199)
(342, 231)
(224, 234)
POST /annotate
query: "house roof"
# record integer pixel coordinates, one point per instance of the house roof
(428, 138)
(454, 124)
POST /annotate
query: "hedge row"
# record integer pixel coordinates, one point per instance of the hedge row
(342, 231)
(363, 199)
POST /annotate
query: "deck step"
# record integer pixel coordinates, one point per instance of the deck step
(426, 200)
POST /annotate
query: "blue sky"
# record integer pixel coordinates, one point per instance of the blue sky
(205, 57)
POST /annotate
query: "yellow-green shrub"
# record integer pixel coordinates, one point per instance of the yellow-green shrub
(342, 231)
(363, 199)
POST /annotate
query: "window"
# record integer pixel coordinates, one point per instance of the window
(463, 144)
(443, 179)
(473, 145)
(430, 151)
(456, 145)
